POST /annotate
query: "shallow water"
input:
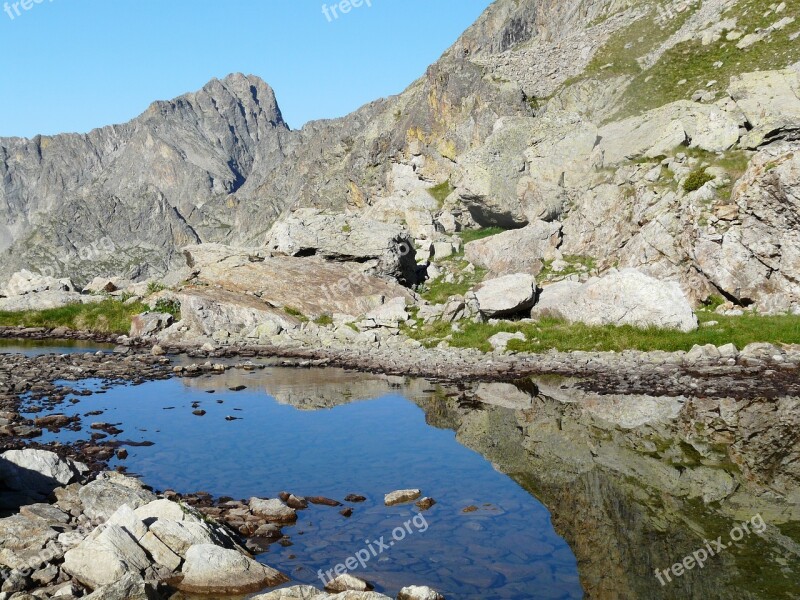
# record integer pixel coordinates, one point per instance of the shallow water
(632, 483)
(39, 347)
(368, 447)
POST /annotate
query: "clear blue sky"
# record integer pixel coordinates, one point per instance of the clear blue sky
(73, 65)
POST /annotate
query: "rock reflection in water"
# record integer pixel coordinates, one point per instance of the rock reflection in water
(636, 483)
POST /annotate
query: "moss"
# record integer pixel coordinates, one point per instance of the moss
(441, 192)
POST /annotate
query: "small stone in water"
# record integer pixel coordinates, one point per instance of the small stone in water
(425, 503)
(346, 512)
(355, 498)
(401, 496)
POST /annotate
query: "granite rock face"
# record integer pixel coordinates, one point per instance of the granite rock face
(531, 116)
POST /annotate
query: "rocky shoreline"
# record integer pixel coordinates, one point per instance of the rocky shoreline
(759, 369)
(109, 537)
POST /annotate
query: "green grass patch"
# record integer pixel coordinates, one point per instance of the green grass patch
(293, 312)
(108, 316)
(438, 291)
(576, 264)
(441, 192)
(471, 235)
(696, 179)
(172, 307)
(548, 334)
(324, 320)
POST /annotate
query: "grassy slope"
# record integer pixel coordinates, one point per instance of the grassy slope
(108, 316)
(691, 61)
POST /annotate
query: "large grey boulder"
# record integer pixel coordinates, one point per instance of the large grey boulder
(770, 100)
(626, 297)
(212, 570)
(36, 472)
(387, 249)
(516, 251)
(506, 296)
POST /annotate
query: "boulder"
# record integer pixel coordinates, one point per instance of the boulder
(149, 323)
(36, 472)
(312, 286)
(22, 538)
(387, 249)
(389, 314)
(770, 100)
(506, 296)
(212, 570)
(516, 251)
(525, 168)
(210, 310)
(626, 297)
(273, 510)
(757, 259)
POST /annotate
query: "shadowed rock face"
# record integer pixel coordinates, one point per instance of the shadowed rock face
(637, 483)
